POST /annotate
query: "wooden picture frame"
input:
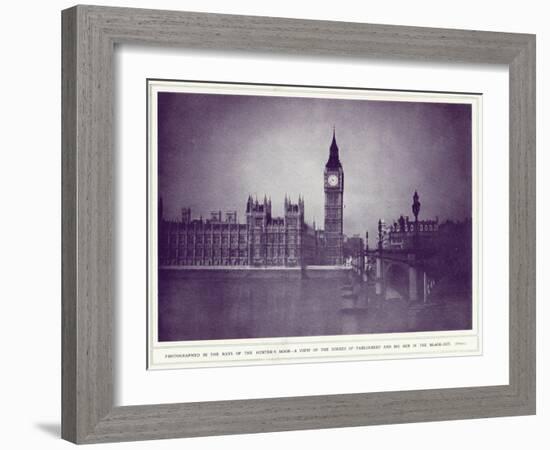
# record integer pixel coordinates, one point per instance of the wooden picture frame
(89, 36)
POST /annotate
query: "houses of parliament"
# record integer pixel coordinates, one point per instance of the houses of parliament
(263, 240)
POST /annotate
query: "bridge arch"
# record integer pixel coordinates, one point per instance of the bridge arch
(396, 278)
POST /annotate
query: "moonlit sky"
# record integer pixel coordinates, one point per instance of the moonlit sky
(214, 150)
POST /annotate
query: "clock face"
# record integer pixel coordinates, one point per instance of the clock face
(332, 180)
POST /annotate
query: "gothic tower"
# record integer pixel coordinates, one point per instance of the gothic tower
(294, 224)
(334, 206)
(258, 216)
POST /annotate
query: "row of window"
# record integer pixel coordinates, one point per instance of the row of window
(290, 223)
(209, 239)
(209, 253)
(207, 227)
(206, 262)
(226, 262)
(275, 239)
(421, 227)
(233, 239)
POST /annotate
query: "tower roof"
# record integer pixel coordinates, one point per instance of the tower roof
(333, 159)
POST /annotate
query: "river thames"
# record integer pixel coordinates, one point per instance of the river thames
(204, 305)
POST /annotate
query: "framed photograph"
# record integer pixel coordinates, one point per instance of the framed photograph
(270, 283)
(337, 219)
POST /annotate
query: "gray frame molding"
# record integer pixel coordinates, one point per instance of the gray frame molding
(89, 36)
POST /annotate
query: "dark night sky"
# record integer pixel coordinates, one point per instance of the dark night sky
(213, 150)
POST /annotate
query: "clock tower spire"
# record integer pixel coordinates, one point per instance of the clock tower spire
(334, 205)
(333, 158)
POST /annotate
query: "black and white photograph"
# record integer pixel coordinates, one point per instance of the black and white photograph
(275, 225)
(291, 216)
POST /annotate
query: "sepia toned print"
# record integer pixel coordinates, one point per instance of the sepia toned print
(300, 217)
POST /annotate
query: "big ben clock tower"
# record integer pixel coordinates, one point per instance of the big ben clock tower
(334, 206)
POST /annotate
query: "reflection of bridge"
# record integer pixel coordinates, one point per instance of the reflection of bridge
(399, 274)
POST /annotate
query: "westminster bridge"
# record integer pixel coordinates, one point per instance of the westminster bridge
(396, 273)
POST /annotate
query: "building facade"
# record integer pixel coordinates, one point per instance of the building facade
(405, 233)
(263, 240)
(279, 241)
(198, 242)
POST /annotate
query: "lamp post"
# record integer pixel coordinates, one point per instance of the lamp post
(380, 237)
(378, 284)
(415, 210)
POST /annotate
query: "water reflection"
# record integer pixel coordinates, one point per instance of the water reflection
(198, 306)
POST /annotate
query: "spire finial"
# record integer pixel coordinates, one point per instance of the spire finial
(333, 160)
